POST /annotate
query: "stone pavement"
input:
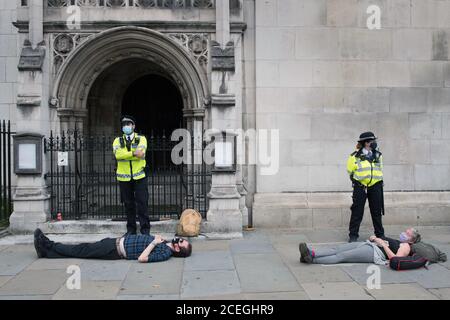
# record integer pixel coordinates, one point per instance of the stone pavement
(262, 265)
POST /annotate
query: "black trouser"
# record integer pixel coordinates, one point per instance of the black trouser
(134, 194)
(105, 249)
(375, 196)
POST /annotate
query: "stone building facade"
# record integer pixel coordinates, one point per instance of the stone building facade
(311, 70)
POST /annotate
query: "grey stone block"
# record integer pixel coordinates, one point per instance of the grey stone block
(430, 13)
(408, 100)
(342, 13)
(431, 177)
(317, 43)
(335, 291)
(199, 283)
(440, 45)
(209, 261)
(412, 44)
(440, 151)
(36, 282)
(275, 43)
(90, 290)
(434, 216)
(425, 126)
(295, 73)
(302, 12)
(365, 44)
(327, 74)
(26, 297)
(447, 74)
(264, 273)
(427, 74)
(266, 13)
(446, 126)
(439, 99)
(327, 218)
(368, 100)
(154, 278)
(393, 74)
(359, 73)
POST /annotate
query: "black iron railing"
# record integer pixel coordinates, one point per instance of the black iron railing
(82, 179)
(6, 206)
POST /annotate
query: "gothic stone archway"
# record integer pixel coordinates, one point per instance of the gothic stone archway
(88, 62)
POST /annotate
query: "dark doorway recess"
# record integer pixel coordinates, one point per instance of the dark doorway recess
(156, 103)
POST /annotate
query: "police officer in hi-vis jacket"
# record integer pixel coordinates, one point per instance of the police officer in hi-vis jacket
(365, 167)
(129, 150)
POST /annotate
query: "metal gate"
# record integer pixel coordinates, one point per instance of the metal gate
(82, 180)
(5, 173)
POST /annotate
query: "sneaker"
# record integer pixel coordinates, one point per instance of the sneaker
(37, 243)
(304, 252)
(45, 242)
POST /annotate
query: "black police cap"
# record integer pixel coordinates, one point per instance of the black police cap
(127, 118)
(367, 136)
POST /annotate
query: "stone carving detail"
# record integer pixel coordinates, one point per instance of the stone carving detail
(31, 59)
(172, 4)
(196, 43)
(222, 59)
(63, 45)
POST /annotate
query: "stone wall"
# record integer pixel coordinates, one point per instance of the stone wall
(8, 60)
(322, 78)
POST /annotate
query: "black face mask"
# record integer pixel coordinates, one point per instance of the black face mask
(374, 146)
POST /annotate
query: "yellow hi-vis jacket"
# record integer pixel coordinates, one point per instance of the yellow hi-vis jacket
(129, 166)
(364, 171)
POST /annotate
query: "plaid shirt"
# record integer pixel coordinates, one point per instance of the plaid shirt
(136, 244)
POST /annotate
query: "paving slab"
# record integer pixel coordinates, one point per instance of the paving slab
(289, 254)
(326, 236)
(54, 264)
(307, 273)
(209, 260)
(209, 245)
(243, 246)
(234, 296)
(296, 295)
(5, 279)
(443, 294)
(292, 239)
(14, 259)
(209, 283)
(27, 297)
(3, 247)
(264, 273)
(435, 277)
(102, 270)
(387, 276)
(336, 291)
(35, 282)
(154, 278)
(401, 291)
(90, 290)
(148, 297)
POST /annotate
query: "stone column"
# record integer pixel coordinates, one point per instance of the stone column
(223, 215)
(31, 198)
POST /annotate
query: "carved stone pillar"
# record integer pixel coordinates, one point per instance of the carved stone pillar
(224, 215)
(31, 198)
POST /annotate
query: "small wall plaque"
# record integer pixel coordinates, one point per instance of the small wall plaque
(31, 59)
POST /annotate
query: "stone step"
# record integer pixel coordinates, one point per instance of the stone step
(102, 227)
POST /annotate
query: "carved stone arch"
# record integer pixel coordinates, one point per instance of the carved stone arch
(79, 72)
